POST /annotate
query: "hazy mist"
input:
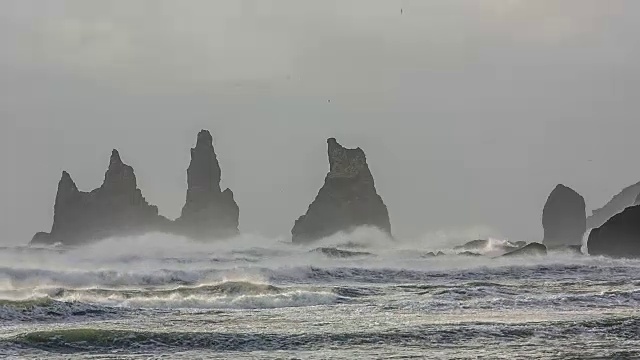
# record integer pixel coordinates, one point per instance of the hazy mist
(470, 112)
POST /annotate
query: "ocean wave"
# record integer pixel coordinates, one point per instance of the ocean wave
(227, 295)
(231, 288)
(337, 272)
(45, 309)
(446, 298)
(96, 302)
(465, 336)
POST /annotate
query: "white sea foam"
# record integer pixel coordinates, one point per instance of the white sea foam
(166, 261)
(294, 298)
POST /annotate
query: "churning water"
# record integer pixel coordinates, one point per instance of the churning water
(253, 297)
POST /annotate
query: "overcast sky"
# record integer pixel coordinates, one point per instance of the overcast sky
(469, 111)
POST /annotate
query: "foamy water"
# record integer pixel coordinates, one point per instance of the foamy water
(256, 297)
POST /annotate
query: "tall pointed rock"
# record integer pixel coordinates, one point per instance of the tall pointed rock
(67, 207)
(347, 199)
(564, 218)
(208, 213)
(117, 208)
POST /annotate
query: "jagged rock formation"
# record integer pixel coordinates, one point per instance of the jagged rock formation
(627, 197)
(564, 218)
(347, 199)
(117, 208)
(208, 213)
(532, 249)
(619, 236)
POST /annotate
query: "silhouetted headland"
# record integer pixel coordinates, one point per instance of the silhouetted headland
(627, 197)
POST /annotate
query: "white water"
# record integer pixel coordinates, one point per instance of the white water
(162, 288)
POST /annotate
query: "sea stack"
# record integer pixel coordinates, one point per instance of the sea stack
(618, 237)
(348, 198)
(208, 213)
(564, 218)
(117, 208)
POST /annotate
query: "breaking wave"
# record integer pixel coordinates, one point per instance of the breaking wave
(112, 278)
(46, 309)
(107, 303)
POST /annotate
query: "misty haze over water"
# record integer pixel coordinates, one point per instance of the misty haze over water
(470, 113)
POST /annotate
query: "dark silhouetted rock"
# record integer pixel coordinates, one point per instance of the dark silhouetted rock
(627, 197)
(520, 244)
(618, 237)
(337, 253)
(117, 208)
(473, 245)
(532, 249)
(208, 213)
(42, 238)
(564, 218)
(469, 253)
(347, 199)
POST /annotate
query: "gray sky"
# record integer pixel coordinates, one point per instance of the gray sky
(470, 111)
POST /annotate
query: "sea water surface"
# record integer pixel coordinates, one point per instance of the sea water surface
(253, 297)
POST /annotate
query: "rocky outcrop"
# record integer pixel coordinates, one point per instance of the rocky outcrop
(619, 236)
(627, 197)
(479, 246)
(117, 208)
(564, 218)
(473, 245)
(347, 199)
(532, 249)
(208, 213)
